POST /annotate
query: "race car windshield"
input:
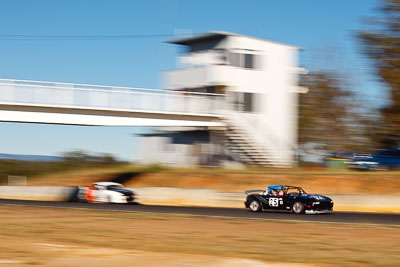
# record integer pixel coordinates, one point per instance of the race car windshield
(114, 187)
(296, 190)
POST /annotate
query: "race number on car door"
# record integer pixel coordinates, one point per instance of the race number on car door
(273, 202)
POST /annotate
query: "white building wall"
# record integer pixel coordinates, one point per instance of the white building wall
(274, 80)
(159, 150)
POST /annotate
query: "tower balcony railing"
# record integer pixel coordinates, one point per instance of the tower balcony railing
(84, 96)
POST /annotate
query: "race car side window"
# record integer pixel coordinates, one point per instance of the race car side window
(294, 191)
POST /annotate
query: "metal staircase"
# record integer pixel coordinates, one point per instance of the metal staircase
(246, 147)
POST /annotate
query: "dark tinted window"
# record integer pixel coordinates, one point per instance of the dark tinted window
(114, 187)
(249, 61)
(244, 102)
(248, 102)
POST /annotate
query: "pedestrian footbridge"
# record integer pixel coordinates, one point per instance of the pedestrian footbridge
(97, 105)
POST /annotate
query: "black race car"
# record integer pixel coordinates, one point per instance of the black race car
(287, 198)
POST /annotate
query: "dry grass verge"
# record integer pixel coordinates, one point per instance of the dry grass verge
(318, 244)
(322, 182)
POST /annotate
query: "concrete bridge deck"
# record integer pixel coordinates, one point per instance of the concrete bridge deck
(82, 104)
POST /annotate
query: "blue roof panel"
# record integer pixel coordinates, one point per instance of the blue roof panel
(277, 187)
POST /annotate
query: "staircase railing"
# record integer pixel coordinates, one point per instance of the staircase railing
(262, 136)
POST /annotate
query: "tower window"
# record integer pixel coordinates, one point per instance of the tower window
(240, 60)
(248, 61)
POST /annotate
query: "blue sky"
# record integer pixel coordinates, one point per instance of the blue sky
(325, 29)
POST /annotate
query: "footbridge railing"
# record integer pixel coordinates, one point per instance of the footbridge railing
(69, 95)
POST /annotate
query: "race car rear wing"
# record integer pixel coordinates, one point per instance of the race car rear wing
(254, 191)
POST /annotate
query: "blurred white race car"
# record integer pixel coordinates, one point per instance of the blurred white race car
(107, 192)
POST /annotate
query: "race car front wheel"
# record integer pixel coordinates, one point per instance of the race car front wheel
(255, 206)
(298, 208)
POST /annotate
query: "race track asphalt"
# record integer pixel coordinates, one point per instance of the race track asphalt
(336, 217)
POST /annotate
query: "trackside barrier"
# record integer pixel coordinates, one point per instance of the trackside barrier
(53, 193)
(198, 197)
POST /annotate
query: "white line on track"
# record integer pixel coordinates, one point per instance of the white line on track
(204, 215)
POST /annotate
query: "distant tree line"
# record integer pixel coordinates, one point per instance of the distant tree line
(70, 160)
(80, 155)
(332, 118)
(381, 44)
